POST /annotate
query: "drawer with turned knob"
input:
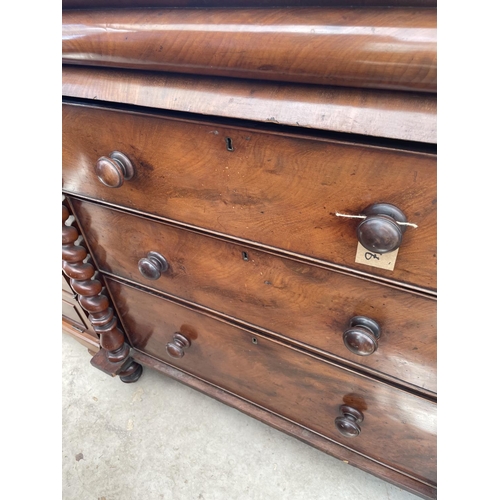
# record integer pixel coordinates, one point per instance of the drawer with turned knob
(112, 171)
(348, 423)
(176, 348)
(270, 243)
(359, 321)
(152, 266)
(382, 229)
(370, 417)
(235, 180)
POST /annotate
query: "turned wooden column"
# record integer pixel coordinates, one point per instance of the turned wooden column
(114, 357)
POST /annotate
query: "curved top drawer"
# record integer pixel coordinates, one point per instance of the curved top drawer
(392, 49)
(274, 190)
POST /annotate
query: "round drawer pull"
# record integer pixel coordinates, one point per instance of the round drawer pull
(153, 265)
(175, 349)
(112, 171)
(380, 232)
(362, 336)
(347, 425)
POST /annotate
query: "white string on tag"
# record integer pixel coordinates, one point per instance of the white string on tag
(364, 217)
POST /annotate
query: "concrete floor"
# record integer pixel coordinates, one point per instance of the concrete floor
(160, 440)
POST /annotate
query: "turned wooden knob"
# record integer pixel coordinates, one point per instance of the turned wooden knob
(380, 231)
(347, 424)
(153, 265)
(112, 171)
(175, 349)
(362, 336)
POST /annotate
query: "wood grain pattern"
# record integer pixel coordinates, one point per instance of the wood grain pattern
(407, 116)
(399, 429)
(383, 48)
(279, 190)
(311, 438)
(301, 302)
(222, 248)
(114, 357)
(86, 4)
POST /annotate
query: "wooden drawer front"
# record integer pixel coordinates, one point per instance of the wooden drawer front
(306, 303)
(70, 310)
(398, 428)
(277, 190)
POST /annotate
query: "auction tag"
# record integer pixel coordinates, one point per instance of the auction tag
(380, 260)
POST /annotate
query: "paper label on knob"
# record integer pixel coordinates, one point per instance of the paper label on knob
(380, 260)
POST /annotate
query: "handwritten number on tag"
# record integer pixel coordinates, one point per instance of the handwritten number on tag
(369, 255)
(373, 259)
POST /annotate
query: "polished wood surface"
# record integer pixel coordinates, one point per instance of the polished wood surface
(382, 48)
(337, 450)
(382, 229)
(114, 358)
(407, 116)
(114, 170)
(398, 428)
(348, 423)
(361, 338)
(72, 310)
(74, 319)
(278, 190)
(175, 349)
(85, 4)
(227, 162)
(310, 305)
(152, 266)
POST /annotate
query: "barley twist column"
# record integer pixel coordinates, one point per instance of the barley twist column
(114, 357)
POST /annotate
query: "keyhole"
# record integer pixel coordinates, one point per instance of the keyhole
(244, 255)
(229, 144)
(254, 341)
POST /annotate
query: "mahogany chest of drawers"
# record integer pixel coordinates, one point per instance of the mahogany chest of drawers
(258, 220)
